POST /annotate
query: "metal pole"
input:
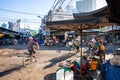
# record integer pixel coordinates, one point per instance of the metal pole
(113, 39)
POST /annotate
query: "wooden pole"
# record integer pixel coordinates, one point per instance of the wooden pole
(81, 43)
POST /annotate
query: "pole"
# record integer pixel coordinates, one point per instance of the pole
(81, 43)
(113, 39)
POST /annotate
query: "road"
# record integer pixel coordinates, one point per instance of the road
(11, 67)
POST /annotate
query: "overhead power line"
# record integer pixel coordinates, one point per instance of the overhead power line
(53, 4)
(8, 18)
(23, 20)
(56, 5)
(69, 3)
(60, 6)
(20, 12)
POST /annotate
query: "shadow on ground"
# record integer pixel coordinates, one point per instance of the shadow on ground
(6, 72)
(59, 59)
(51, 76)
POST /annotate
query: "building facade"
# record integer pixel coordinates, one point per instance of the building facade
(85, 5)
(60, 15)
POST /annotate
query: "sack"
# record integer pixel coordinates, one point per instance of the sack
(64, 74)
(102, 47)
(94, 65)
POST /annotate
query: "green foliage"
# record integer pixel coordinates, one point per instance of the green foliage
(4, 25)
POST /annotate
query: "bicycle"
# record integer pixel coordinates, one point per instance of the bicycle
(28, 57)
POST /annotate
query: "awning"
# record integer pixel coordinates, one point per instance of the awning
(1, 35)
(91, 20)
(97, 13)
(85, 32)
(73, 24)
(9, 32)
(114, 31)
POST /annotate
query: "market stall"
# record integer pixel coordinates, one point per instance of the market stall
(83, 21)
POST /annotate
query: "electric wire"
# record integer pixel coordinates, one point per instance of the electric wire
(68, 4)
(53, 4)
(23, 20)
(20, 12)
(61, 6)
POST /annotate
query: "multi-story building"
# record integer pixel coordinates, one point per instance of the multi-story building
(17, 25)
(55, 15)
(71, 9)
(85, 5)
(60, 15)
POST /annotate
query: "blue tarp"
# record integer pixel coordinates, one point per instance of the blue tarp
(41, 42)
(111, 72)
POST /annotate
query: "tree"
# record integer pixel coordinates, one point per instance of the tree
(4, 25)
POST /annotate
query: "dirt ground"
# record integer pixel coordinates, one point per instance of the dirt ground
(11, 67)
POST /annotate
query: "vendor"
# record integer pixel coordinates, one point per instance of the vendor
(84, 65)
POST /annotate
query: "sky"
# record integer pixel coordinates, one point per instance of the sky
(36, 7)
(100, 3)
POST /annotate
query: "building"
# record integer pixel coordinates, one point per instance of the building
(69, 8)
(60, 15)
(43, 25)
(85, 5)
(55, 15)
(17, 25)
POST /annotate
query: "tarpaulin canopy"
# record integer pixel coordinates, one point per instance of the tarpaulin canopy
(83, 21)
(114, 31)
(85, 32)
(97, 13)
(90, 20)
(72, 24)
(7, 31)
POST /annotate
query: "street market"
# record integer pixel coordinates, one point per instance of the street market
(83, 46)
